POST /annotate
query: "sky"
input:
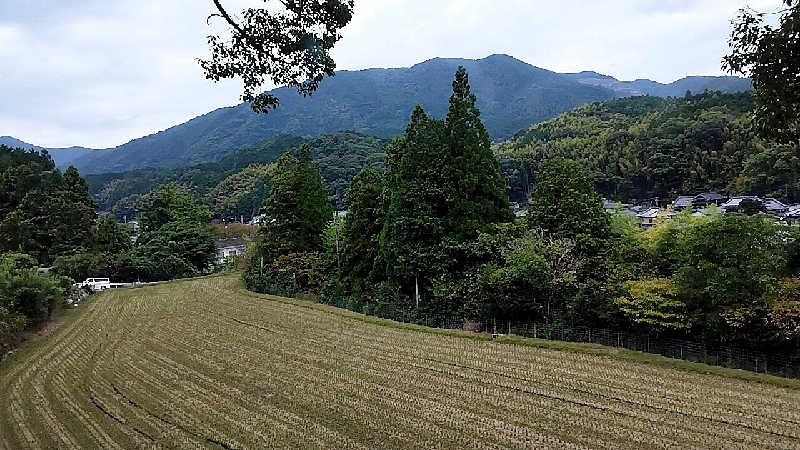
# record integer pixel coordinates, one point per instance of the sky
(98, 73)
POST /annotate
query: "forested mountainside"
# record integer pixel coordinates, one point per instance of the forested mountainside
(633, 149)
(62, 157)
(236, 184)
(645, 147)
(511, 96)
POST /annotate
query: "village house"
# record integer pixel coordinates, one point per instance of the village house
(792, 214)
(230, 247)
(653, 216)
(771, 205)
(682, 202)
(706, 199)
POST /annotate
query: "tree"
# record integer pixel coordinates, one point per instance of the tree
(111, 236)
(25, 291)
(173, 205)
(653, 304)
(366, 214)
(479, 198)
(416, 218)
(176, 240)
(297, 209)
(770, 56)
(728, 263)
(751, 207)
(49, 214)
(287, 43)
(565, 204)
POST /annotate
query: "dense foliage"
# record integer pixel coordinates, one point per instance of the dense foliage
(646, 147)
(235, 185)
(43, 212)
(175, 241)
(297, 211)
(770, 55)
(284, 43)
(431, 235)
(27, 296)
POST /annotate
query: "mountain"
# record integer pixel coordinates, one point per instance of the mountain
(695, 84)
(61, 156)
(511, 96)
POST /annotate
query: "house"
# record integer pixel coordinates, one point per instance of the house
(734, 203)
(133, 225)
(773, 206)
(792, 214)
(230, 247)
(682, 202)
(653, 216)
(258, 220)
(708, 198)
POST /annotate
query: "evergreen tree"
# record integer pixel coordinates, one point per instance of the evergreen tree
(416, 217)
(297, 210)
(479, 198)
(366, 214)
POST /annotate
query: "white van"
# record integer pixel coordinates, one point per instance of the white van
(96, 284)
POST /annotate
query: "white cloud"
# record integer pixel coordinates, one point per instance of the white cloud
(99, 73)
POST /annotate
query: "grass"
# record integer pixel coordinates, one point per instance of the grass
(204, 363)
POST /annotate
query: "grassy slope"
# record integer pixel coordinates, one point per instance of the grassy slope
(203, 362)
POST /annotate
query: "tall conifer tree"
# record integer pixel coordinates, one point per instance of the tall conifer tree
(479, 198)
(298, 208)
(415, 222)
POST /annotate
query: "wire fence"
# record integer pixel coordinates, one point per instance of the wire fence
(774, 363)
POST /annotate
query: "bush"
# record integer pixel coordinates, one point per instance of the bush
(78, 267)
(27, 292)
(288, 276)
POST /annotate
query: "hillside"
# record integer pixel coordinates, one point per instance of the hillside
(511, 95)
(203, 363)
(61, 156)
(337, 156)
(645, 147)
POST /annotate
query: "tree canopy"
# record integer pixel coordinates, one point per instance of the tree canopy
(287, 43)
(770, 55)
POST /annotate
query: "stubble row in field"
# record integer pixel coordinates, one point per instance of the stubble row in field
(205, 363)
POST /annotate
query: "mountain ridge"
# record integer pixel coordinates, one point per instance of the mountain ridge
(512, 95)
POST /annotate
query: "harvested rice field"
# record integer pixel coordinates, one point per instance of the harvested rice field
(204, 364)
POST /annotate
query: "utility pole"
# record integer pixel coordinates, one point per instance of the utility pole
(336, 234)
(416, 287)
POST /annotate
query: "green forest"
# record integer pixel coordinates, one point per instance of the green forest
(234, 186)
(632, 150)
(642, 148)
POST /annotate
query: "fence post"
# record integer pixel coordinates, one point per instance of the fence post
(534, 330)
(509, 327)
(648, 343)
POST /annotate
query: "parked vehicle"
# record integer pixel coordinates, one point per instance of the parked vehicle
(96, 284)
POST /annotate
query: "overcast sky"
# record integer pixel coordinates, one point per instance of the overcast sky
(98, 73)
